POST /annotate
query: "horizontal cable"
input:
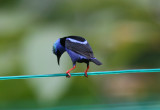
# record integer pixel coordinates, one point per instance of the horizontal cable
(81, 74)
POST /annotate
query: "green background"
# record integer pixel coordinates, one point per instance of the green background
(124, 34)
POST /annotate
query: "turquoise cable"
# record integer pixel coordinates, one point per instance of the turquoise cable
(82, 74)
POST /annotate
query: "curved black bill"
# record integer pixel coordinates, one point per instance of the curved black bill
(58, 56)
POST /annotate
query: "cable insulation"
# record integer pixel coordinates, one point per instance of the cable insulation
(81, 74)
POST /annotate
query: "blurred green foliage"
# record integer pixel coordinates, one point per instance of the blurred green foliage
(124, 34)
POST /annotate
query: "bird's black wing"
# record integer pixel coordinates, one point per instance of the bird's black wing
(82, 49)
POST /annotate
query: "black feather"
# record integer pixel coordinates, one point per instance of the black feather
(82, 49)
(78, 38)
(62, 41)
(96, 61)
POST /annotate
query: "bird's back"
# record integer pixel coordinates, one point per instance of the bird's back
(79, 45)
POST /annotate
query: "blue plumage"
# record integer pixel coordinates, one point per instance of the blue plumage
(78, 49)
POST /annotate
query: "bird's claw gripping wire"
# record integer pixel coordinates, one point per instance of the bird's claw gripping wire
(86, 75)
(68, 74)
(86, 72)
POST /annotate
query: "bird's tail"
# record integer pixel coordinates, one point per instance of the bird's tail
(96, 61)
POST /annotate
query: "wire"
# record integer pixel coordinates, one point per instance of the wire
(81, 74)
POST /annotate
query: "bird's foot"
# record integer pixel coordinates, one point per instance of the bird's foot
(68, 74)
(86, 75)
(86, 72)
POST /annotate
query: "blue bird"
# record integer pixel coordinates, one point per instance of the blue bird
(78, 49)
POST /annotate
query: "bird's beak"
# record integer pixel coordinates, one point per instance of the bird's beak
(58, 56)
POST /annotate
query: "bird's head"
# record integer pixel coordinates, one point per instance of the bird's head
(58, 50)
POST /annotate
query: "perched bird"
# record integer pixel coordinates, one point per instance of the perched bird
(78, 49)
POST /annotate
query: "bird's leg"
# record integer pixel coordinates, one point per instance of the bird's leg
(86, 70)
(68, 74)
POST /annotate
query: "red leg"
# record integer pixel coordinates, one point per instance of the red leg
(86, 71)
(68, 74)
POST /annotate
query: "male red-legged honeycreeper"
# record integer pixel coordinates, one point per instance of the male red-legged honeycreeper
(78, 49)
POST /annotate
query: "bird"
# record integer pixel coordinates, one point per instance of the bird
(78, 49)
